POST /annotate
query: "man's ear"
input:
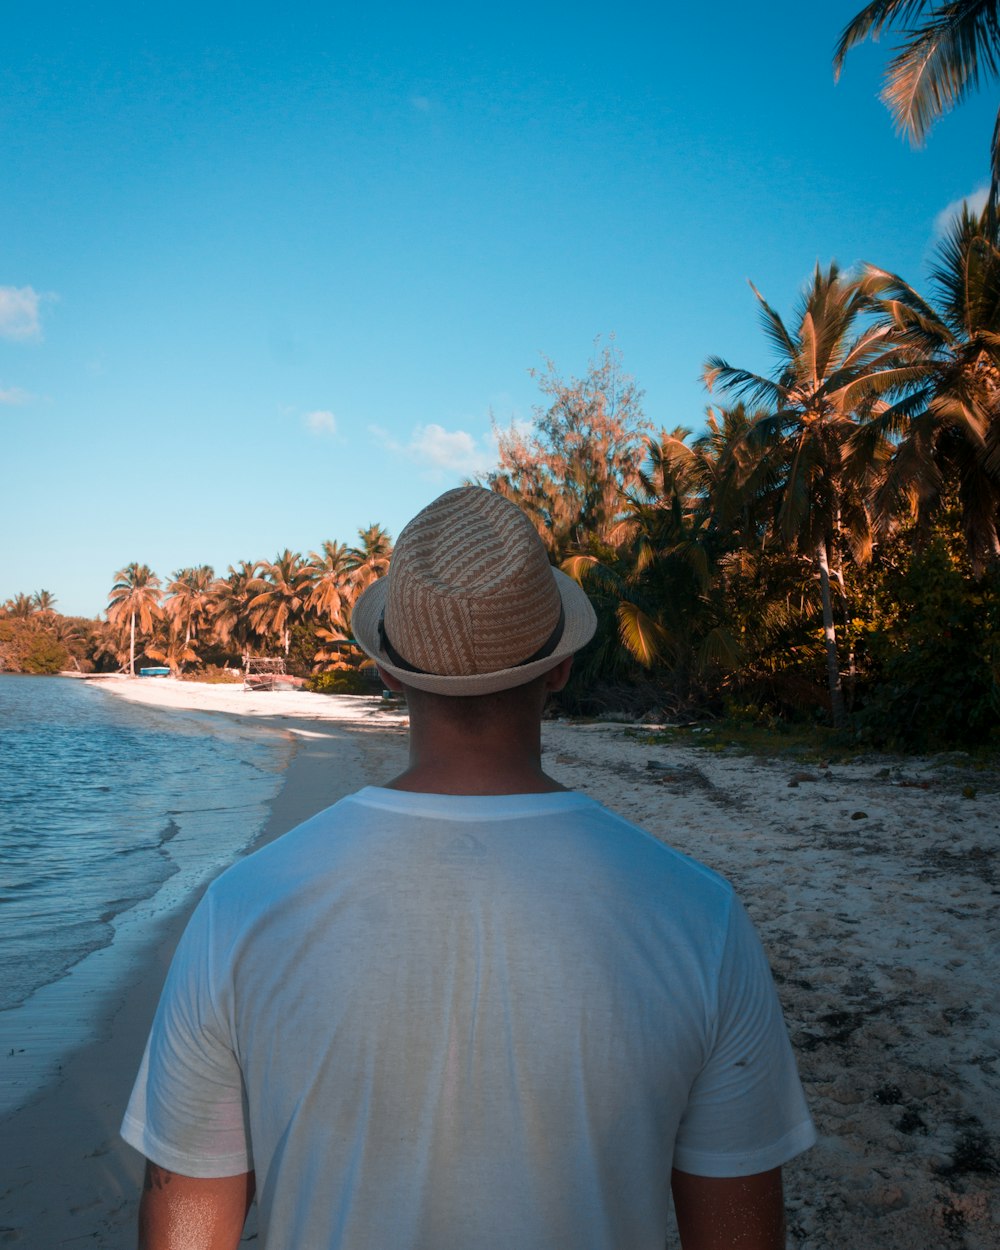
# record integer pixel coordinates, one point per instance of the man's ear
(556, 678)
(390, 682)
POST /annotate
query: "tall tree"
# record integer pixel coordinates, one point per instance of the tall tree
(569, 470)
(135, 595)
(230, 606)
(20, 605)
(189, 604)
(948, 47)
(369, 560)
(834, 368)
(282, 601)
(658, 573)
(330, 595)
(949, 423)
(44, 602)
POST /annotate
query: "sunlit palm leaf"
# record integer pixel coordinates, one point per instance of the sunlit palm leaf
(643, 638)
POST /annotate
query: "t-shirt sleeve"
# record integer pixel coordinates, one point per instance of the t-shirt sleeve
(746, 1111)
(187, 1112)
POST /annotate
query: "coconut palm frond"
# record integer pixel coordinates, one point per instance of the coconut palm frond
(642, 637)
(719, 649)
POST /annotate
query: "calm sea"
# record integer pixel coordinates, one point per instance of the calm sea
(111, 813)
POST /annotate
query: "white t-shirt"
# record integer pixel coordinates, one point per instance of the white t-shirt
(433, 1021)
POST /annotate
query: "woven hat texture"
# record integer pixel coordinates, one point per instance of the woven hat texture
(469, 597)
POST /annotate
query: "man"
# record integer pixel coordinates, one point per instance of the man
(469, 1009)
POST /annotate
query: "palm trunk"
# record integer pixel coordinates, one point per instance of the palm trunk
(845, 612)
(131, 648)
(830, 635)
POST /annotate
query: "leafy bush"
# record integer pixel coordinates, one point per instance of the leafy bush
(344, 681)
(214, 675)
(27, 647)
(936, 659)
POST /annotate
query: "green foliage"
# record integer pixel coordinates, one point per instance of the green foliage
(302, 648)
(343, 681)
(936, 656)
(29, 647)
(214, 675)
(583, 449)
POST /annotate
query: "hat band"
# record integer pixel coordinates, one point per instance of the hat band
(543, 652)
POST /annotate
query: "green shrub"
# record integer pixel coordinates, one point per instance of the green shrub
(936, 679)
(343, 681)
(28, 647)
(213, 674)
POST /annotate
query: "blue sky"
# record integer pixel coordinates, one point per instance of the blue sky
(266, 272)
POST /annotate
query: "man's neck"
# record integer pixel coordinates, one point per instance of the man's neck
(430, 778)
(449, 759)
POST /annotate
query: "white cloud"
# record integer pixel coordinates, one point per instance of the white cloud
(321, 422)
(976, 202)
(13, 395)
(19, 307)
(443, 451)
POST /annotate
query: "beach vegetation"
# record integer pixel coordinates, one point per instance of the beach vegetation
(946, 49)
(946, 426)
(936, 653)
(285, 585)
(135, 599)
(569, 467)
(836, 367)
(367, 561)
(215, 675)
(27, 648)
(187, 609)
(343, 681)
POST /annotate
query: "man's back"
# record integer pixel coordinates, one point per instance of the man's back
(471, 1021)
(469, 1009)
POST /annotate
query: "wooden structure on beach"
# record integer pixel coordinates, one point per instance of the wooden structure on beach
(267, 673)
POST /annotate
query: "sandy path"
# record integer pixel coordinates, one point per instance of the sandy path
(874, 888)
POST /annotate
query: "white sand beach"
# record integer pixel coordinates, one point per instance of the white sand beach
(874, 887)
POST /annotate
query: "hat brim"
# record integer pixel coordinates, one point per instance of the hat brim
(580, 624)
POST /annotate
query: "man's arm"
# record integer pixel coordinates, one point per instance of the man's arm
(730, 1213)
(190, 1213)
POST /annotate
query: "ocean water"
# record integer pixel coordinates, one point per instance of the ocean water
(111, 813)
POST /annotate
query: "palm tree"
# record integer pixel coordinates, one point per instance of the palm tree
(947, 47)
(231, 597)
(656, 578)
(169, 645)
(21, 606)
(282, 601)
(190, 600)
(44, 603)
(949, 423)
(136, 593)
(330, 590)
(833, 370)
(369, 560)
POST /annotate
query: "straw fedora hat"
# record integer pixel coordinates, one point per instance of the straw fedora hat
(470, 604)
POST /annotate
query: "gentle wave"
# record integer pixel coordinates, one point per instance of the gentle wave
(108, 808)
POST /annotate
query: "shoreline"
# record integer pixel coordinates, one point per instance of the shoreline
(66, 1174)
(874, 885)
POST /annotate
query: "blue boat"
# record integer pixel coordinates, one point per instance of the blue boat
(154, 672)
